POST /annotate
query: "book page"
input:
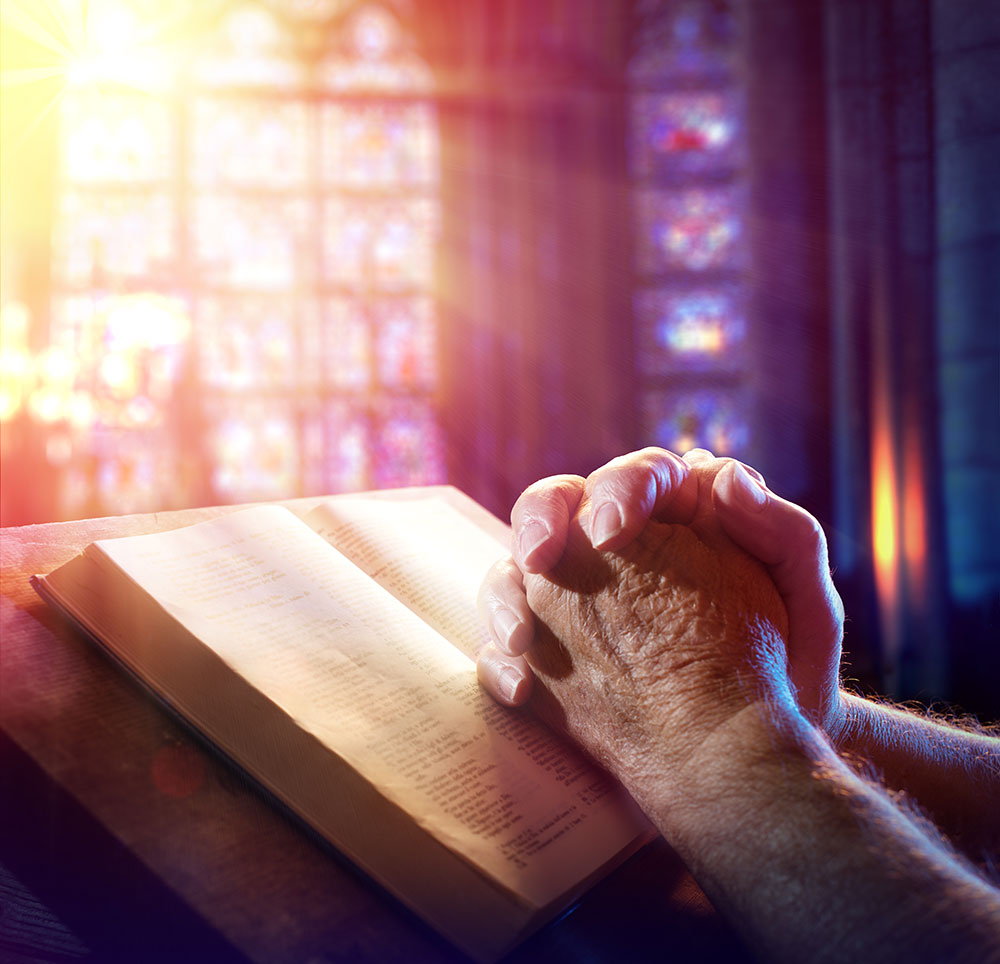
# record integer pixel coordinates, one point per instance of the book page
(354, 667)
(424, 551)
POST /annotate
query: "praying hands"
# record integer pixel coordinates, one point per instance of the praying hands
(678, 620)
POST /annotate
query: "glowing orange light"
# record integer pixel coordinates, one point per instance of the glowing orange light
(914, 510)
(697, 337)
(884, 509)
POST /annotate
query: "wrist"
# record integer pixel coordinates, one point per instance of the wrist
(737, 757)
(850, 724)
(840, 719)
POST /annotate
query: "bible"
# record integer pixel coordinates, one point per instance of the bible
(332, 658)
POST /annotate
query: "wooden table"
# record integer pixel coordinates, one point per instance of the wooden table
(122, 838)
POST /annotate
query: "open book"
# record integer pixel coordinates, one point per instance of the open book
(332, 658)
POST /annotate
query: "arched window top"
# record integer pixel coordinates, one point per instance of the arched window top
(251, 49)
(689, 41)
(373, 53)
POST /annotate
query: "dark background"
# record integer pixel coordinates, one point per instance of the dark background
(873, 159)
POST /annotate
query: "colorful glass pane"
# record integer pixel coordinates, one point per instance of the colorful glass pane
(375, 58)
(118, 471)
(75, 324)
(253, 52)
(380, 245)
(286, 381)
(108, 138)
(248, 343)
(310, 374)
(250, 242)
(102, 237)
(250, 142)
(699, 330)
(313, 453)
(255, 446)
(348, 348)
(379, 145)
(405, 344)
(681, 134)
(348, 448)
(691, 230)
(710, 418)
(409, 449)
(114, 361)
(684, 41)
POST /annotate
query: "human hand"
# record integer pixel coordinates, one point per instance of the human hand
(654, 483)
(646, 653)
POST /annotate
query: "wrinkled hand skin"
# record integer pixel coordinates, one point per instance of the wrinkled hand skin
(644, 652)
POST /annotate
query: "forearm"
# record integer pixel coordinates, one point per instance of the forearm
(812, 863)
(954, 775)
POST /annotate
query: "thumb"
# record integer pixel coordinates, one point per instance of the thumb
(792, 544)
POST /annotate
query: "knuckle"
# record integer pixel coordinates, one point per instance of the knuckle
(810, 534)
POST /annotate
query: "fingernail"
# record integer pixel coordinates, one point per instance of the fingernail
(606, 524)
(505, 623)
(532, 536)
(751, 495)
(509, 682)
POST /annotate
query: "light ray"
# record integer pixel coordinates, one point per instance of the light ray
(72, 30)
(17, 19)
(72, 13)
(28, 75)
(34, 124)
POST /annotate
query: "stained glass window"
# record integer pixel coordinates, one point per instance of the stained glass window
(375, 56)
(689, 230)
(405, 345)
(251, 50)
(248, 343)
(377, 244)
(252, 242)
(348, 344)
(349, 447)
(121, 467)
(685, 41)
(255, 449)
(409, 447)
(114, 138)
(680, 133)
(379, 145)
(686, 146)
(698, 329)
(283, 208)
(104, 236)
(248, 142)
(710, 418)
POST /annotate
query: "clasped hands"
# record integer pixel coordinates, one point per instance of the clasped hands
(656, 601)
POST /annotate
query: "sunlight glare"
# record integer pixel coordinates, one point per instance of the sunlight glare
(116, 49)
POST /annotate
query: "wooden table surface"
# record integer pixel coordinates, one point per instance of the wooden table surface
(123, 838)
